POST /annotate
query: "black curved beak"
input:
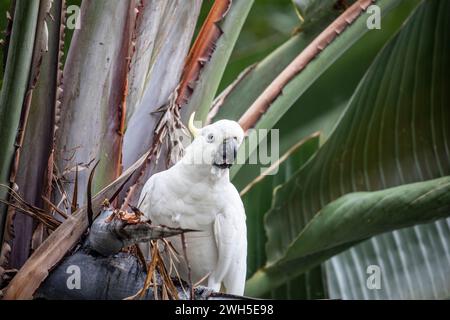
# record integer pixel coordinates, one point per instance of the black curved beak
(227, 153)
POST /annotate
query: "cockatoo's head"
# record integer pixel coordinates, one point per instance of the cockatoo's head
(217, 144)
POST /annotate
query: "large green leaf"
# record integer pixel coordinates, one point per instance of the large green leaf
(313, 110)
(375, 212)
(236, 99)
(15, 83)
(303, 108)
(374, 147)
(257, 197)
(317, 111)
(414, 264)
(349, 219)
(232, 103)
(268, 25)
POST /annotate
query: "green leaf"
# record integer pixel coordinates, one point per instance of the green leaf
(257, 199)
(371, 148)
(268, 25)
(413, 261)
(232, 103)
(384, 139)
(412, 258)
(303, 108)
(236, 99)
(15, 83)
(257, 196)
(354, 217)
(358, 216)
(413, 265)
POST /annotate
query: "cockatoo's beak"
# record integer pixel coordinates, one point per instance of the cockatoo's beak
(226, 155)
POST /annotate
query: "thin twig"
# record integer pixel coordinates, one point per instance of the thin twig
(172, 264)
(183, 240)
(202, 279)
(167, 281)
(54, 207)
(48, 223)
(57, 179)
(148, 278)
(74, 205)
(140, 255)
(155, 286)
(172, 249)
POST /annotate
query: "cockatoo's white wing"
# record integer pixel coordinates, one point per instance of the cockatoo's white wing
(225, 236)
(231, 239)
(234, 280)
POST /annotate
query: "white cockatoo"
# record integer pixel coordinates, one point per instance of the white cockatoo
(196, 193)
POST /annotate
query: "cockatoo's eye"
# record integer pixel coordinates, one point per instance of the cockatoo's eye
(210, 138)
